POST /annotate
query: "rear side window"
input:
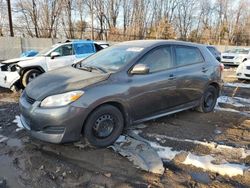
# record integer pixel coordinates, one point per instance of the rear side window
(186, 55)
(158, 59)
(83, 48)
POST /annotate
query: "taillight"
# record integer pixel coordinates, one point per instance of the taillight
(221, 67)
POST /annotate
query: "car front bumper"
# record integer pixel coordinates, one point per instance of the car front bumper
(230, 61)
(8, 79)
(243, 73)
(54, 125)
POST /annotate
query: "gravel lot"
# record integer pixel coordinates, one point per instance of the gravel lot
(26, 162)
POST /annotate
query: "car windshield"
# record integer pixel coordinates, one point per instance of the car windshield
(113, 58)
(238, 51)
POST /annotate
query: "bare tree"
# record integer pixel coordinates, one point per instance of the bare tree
(185, 17)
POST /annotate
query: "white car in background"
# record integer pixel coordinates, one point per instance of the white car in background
(17, 73)
(235, 56)
(243, 70)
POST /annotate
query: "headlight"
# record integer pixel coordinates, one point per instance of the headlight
(61, 99)
(13, 68)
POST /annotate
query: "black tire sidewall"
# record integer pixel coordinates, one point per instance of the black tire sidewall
(88, 127)
(26, 75)
(212, 90)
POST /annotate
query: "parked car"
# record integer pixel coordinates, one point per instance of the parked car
(243, 70)
(215, 52)
(125, 84)
(20, 71)
(235, 56)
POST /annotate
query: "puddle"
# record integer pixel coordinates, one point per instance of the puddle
(201, 177)
(14, 142)
(9, 172)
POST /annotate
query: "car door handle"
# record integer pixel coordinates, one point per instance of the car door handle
(172, 77)
(204, 69)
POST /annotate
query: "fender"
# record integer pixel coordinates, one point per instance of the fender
(25, 69)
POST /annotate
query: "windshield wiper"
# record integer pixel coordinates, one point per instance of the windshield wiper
(99, 68)
(91, 68)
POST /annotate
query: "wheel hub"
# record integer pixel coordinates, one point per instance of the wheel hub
(32, 76)
(209, 100)
(104, 126)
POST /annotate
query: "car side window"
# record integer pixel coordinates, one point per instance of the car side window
(186, 55)
(158, 59)
(65, 50)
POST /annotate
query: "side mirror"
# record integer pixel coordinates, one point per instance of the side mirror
(140, 69)
(54, 54)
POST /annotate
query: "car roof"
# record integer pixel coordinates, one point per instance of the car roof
(150, 43)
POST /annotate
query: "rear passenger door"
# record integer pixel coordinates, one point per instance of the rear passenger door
(191, 73)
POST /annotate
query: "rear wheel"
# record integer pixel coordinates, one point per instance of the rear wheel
(29, 76)
(208, 100)
(104, 126)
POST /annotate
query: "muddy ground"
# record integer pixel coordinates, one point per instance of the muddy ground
(27, 162)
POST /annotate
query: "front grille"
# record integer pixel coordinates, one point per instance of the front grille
(248, 67)
(28, 99)
(247, 75)
(227, 62)
(227, 57)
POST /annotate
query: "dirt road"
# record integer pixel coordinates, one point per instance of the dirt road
(27, 162)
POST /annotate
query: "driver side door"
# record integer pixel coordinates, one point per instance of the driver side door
(153, 93)
(66, 57)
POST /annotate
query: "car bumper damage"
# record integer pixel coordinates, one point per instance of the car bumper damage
(54, 125)
(8, 78)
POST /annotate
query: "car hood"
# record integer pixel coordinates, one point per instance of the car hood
(234, 54)
(62, 80)
(38, 60)
(16, 60)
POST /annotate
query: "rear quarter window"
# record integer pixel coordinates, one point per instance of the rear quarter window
(186, 55)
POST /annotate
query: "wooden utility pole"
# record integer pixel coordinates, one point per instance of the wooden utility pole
(92, 21)
(10, 19)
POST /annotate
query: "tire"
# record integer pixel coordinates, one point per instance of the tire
(29, 75)
(208, 100)
(104, 126)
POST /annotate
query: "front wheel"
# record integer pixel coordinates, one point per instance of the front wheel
(208, 100)
(104, 126)
(29, 76)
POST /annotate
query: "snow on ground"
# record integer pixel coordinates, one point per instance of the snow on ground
(214, 147)
(19, 123)
(206, 163)
(237, 102)
(165, 153)
(242, 85)
(234, 101)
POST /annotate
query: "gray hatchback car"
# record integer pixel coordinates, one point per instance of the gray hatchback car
(125, 84)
